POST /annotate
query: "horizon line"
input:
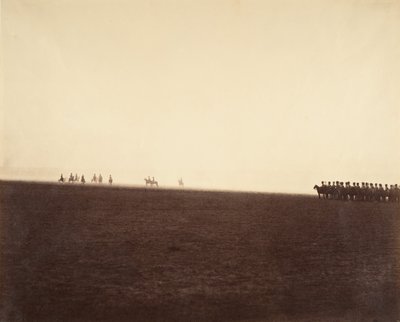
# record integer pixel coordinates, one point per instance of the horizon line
(134, 186)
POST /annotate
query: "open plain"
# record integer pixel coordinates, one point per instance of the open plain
(99, 253)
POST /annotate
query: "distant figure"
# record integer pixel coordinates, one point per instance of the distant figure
(100, 178)
(180, 181)
(76, 179)
(94, 179)
(154, 182)
(61, 179)
(83, 179)
(110, 180)
(151, 182)
(71, 178)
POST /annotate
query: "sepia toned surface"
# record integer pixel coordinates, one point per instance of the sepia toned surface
(244, 95)
(75, 253)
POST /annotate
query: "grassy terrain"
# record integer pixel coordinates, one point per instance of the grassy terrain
(89, 253)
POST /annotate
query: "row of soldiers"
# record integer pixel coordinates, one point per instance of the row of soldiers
(366, 191)
(81, 179)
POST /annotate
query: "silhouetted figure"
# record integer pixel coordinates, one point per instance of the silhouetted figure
(110, 179)
(154, 182)
(61, 179)
(76, 177)
(322, 191)
(94, 179)
(150, 182)
(100, 178)
(83, 179)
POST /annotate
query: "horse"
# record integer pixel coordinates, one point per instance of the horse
(321, 191)
(151, 182)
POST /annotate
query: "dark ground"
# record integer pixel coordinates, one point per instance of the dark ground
(85, 253)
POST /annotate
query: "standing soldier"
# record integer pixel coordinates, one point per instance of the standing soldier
(381, 193)
(110, 180)
(358, 192)
(371, 191)
(365, 191)
(387, 192)
(376, 192)
(83, 179)
(100, 178)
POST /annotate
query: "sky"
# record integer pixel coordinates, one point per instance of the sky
(230, 94)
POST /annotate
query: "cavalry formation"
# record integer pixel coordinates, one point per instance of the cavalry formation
(364, 192)
(81, 179)
(99, 179)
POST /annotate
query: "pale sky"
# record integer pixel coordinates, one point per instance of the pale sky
(249, 95)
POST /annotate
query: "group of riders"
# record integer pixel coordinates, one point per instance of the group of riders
(364, 192)
(99, 179)
(76, 179)
(153, 182)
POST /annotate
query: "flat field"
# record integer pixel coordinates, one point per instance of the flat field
(91, 253)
